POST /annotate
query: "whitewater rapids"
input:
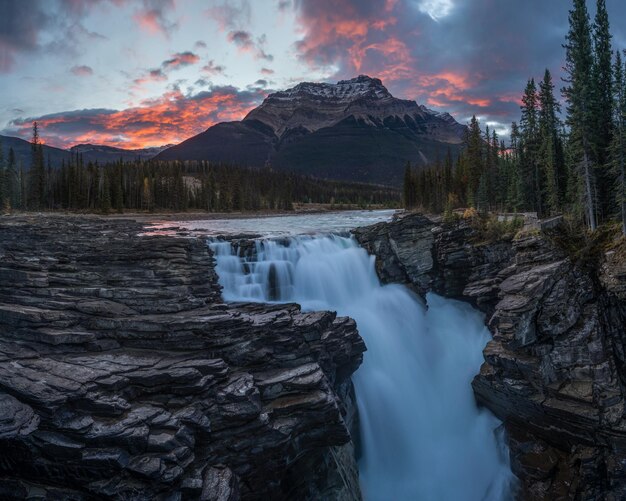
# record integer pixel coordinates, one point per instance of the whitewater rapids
(423, 436)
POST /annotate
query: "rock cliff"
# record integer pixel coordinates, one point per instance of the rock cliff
(554, 370)
(123, 375)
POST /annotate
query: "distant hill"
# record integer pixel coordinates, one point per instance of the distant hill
(353, 130)
(90, 152)
(103, 154)
(22, 150)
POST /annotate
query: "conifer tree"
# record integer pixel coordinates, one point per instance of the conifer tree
(37, 187)
(529, 128)
(618, 146)
(474, 155)
(602, 104)
(579, 95)
(549, 157)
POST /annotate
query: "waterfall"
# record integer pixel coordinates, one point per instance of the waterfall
(423, 436)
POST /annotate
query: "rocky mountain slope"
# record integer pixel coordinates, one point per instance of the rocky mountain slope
(554, 370)
(124, 376)
(352, 130)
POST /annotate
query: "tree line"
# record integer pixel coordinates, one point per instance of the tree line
(174, 185)
(552, 165)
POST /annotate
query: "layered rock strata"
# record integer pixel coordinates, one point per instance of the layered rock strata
(123, 375)
(554, 370)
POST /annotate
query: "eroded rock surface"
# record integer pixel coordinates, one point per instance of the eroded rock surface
(555, 368)
(123, 375)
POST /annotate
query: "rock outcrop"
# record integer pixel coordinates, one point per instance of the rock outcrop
(554, 370)
(123, 375)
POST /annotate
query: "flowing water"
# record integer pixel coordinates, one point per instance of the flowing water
(423, 436)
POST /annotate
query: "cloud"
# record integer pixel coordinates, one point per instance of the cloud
(82, 70)
(170, 118)
(20, 25)
(155, 75)
(213, 69)
(152, 16)
(200, 45)
(440, 52)
(180, 60)
(436, 9)
(244, 41)
(267, 71)
(231, 15)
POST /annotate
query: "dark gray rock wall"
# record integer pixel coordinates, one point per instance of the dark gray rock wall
(123, 375)
(554, 370)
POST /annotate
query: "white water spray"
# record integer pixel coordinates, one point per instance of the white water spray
(423, 436)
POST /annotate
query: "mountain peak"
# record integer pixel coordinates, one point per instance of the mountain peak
(353, 129)
(344, 90)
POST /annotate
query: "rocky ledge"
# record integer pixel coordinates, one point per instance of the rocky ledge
(123, 375)
(555, 370)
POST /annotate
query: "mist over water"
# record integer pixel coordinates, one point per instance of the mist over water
(422, 434)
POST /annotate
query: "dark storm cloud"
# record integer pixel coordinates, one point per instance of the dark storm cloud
(467, 57)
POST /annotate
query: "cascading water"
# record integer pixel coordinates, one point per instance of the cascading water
(423, 436)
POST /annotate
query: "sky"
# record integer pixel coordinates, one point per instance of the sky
(140, 73)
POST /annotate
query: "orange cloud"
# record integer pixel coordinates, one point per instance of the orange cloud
(170, 118)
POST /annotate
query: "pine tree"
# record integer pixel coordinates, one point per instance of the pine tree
(37, 178)
(618, 146)
(529, 128)
(549, 157)
(602, 105)
(474, 155)
(579, 95)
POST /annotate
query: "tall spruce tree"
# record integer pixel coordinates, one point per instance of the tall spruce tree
(549, 148)
(602, 106)
(37, 175)
(529, 128)
(474, 156)
(579, 93)
(618, 146)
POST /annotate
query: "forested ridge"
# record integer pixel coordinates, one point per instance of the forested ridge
(557, 161)
(170, 185)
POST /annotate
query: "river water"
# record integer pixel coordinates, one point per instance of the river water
(423, 436)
